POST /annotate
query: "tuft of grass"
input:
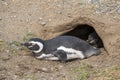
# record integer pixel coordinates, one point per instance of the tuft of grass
(110, 73)
(30, 77)
(15, 46)
(83, 71)
(86, 71)
(15, 43)
(28, 36)
(1, 45)
(12, 47)
(1, 42)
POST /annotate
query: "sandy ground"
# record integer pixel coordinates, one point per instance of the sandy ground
(21, 19)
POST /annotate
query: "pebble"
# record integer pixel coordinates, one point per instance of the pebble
(49, 20)
(13, 16)
(6, 57)
(69, 15)
(5, 3)
(61, 66)
(7, 51)
(15, 77)
(45, 69)
(40, 18)
(43, 23)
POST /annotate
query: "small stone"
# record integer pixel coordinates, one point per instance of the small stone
(60, 66)
(40, 18)
(5, 57)
(43, 23)
(5, 3)
(69, 15)
(44, 69)
(49, 20)
(13, 16)
(7, 51)
(15, 77)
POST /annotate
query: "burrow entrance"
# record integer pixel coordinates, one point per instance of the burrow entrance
(87, 33)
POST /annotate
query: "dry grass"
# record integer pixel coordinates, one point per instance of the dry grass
(87, 71)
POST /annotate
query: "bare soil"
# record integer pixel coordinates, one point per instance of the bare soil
(22, 19)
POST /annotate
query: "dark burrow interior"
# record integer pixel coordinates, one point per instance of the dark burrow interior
(87, 33)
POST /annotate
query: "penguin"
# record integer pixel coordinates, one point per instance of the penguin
(95, 40)
(62, 48)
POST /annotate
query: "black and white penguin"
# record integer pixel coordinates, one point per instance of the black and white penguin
(61, 48)
(95, 40)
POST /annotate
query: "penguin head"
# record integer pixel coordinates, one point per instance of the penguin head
(34, 44)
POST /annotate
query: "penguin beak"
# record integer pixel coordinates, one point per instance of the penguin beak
(26, 44)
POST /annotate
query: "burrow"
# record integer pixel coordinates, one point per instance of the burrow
(80, 27)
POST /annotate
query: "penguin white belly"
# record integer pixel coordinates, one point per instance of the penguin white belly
(72, 53)
(47, 57)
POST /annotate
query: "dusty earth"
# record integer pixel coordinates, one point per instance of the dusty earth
(22, 19)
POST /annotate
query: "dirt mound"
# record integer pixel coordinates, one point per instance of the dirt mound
(105, 31)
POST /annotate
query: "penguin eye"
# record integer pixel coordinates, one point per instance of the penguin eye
(30, 44)
(33, 44)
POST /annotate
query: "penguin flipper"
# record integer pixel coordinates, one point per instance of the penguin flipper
(61, 55)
